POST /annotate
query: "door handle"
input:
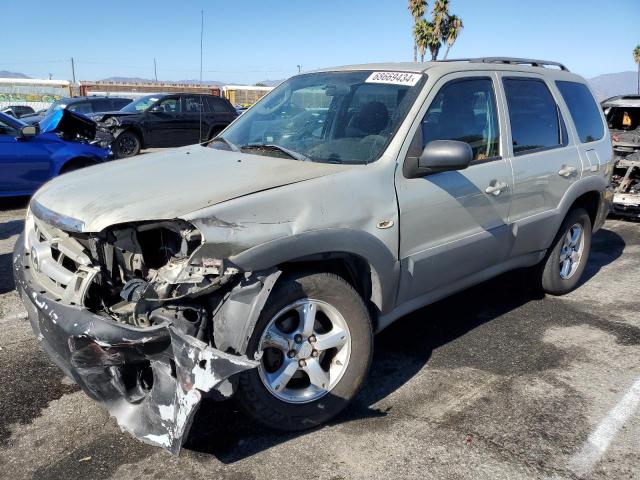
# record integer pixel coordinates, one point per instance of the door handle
(567, 171)
(496, 189)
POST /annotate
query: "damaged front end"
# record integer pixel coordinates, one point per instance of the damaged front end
(626, 174)
(137, 317)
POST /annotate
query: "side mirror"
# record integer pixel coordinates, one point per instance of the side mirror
(156, 109)
(28, 131)
(439, 156)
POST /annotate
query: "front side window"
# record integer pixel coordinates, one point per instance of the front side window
(82, 107)
(333, 117)
(141, 104)
(583, 109)
(533, 115)
(169, 105)
(465, 110)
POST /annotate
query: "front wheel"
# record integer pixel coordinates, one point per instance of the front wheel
(127, 144)
(568, 255)
(314, 343)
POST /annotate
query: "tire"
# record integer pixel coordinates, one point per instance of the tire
(261, 403)
(127, 144)
(555, 278)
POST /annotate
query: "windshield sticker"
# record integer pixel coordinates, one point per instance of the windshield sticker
(394, 78)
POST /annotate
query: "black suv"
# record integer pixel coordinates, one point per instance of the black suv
(85, 105)
(166, 120)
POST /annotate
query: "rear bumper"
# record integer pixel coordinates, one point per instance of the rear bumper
(150, 379)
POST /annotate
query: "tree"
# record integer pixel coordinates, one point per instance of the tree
(443, 28)
(422, 31)
(636, 58)
(260, 84)
(417, 9)
(454, 28)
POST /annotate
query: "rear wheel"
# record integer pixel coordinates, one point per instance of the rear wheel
(127, 144)
(567, 258)
(314, 343)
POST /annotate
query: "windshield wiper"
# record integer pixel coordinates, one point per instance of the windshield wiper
(293, 154)
(220, 138)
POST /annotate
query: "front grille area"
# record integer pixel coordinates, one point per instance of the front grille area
(58, 262)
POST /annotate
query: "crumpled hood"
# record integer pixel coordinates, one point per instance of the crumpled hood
(69, 124)
(166, 185)
(102, 116)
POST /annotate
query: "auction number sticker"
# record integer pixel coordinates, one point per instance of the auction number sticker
(394, 78)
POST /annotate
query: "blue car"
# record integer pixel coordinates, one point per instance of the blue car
(32, 154)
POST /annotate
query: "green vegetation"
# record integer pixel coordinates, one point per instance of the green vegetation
(443, 28)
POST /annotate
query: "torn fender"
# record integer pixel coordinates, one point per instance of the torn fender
(164, 418)
(150, 379)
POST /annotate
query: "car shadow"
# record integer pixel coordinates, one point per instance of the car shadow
(222, 430)
(11, 203)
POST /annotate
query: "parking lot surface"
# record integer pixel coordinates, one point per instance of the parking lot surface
(496, 382)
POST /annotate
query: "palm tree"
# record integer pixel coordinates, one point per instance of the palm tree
(636, 58)
(443, 28)
(454, 28)
(421, 34)
(417, 9)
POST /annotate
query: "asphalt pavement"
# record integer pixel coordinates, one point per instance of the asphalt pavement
(496, 382)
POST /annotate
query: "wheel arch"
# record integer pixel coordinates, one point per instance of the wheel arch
(586, 193)
(132, 128)
(72, 163)
(360, 258)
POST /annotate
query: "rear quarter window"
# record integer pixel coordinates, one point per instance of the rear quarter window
(583, 109)
(219, 105)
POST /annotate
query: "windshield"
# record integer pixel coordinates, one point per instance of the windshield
(55, 106)
(334, 117)
(141, 104)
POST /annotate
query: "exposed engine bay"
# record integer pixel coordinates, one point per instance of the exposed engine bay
(138, 318)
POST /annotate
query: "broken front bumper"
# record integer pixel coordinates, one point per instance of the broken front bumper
(150, 379)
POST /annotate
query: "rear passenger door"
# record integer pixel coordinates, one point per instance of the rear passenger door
(194, 110)
(588, 127)
(545, 162)
(455, 224)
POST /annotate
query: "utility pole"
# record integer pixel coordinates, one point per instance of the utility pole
(73, 71)
(155, 69)
(299, 68)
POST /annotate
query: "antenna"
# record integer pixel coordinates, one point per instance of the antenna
(201, 98)
(155, 69)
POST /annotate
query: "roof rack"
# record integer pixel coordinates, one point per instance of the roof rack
(511, 61)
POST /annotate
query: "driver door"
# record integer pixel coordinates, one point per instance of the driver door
(454, 224)
(166, 124)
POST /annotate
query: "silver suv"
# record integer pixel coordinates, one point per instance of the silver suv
(261, 263)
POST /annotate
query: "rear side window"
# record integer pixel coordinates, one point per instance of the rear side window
(583, 109)
(101, 105)
(120, 103)
(217, 105)
(192, 104)
(82, 107)
(465, 110)
(533, 115)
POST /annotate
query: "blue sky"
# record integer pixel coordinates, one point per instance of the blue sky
(247, 41)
